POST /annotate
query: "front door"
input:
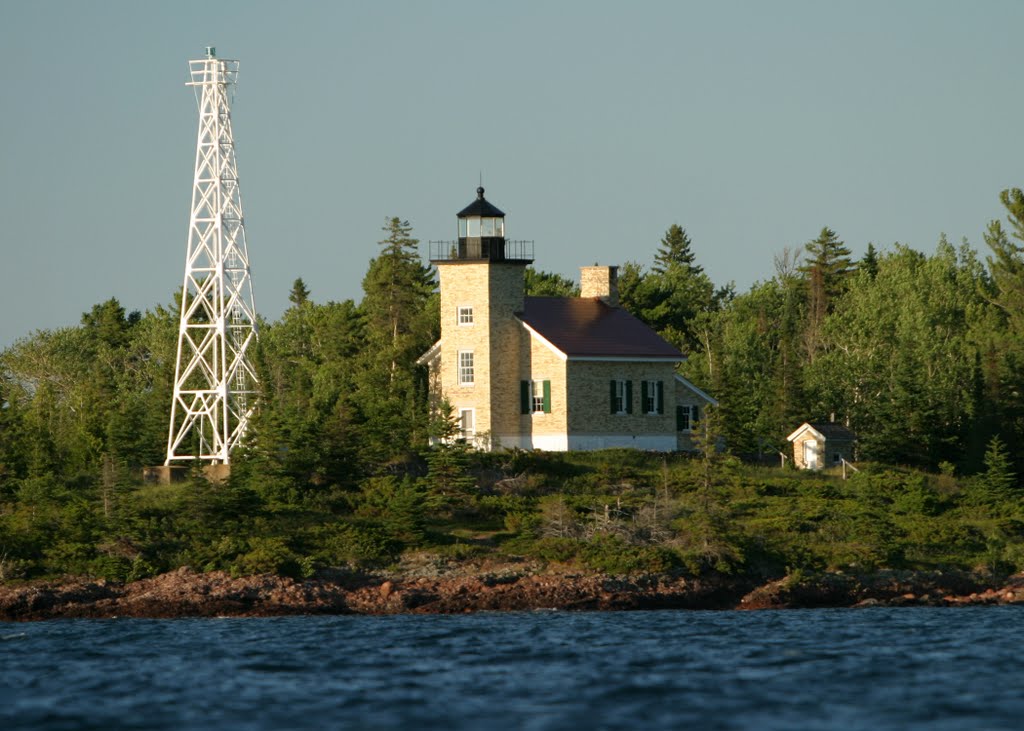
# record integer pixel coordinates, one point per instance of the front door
(811, 454)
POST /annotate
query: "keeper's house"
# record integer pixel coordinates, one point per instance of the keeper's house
(551, 373)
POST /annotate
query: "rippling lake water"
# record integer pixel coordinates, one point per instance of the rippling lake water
(881, 668)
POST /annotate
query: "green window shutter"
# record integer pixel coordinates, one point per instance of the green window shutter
(694, 414)
(547, 397)
(659, 397)
(612, 398)
(679, 417)
(643, 397)
(524, 397)
(629, 397)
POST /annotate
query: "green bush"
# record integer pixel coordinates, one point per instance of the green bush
(462, 551)
(361, 545)
(612, 555)
(269, 555)
(558, 550)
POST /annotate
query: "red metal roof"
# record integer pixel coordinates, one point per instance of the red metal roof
(585, 327)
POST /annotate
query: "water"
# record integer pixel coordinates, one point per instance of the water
(906, 668)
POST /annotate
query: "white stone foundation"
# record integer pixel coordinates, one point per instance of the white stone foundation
(588, 442)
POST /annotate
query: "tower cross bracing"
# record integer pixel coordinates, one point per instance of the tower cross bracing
(214, 380)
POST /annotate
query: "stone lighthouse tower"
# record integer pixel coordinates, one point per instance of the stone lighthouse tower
(481, 277)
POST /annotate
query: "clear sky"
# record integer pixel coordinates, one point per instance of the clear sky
(595, 125)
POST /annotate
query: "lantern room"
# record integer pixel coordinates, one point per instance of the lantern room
(481, 230)
(481, 237)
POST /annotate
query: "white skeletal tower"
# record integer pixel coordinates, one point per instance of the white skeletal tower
(214, 381)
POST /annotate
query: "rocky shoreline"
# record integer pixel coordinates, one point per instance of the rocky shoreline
(186, 593)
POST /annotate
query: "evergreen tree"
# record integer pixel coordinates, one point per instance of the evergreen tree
(634, 292)
(401, 321)
(830, 257)
(869, 262)
(1007, 262)
(448, 480)
(546, 284)
(999, 478)
(1005, 371)
(673, 294)
(396, 288)
(675, 253)
(306, 428)
(299, 294)
(826, 267)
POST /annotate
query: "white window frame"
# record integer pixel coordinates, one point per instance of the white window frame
(464, 315)
(467, 376)
(620, 396)
(465, 433)
(652, 395)
(537, 397)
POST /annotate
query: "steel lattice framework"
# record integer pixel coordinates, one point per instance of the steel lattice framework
(214, 380)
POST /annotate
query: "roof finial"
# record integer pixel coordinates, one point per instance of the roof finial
(480, 192)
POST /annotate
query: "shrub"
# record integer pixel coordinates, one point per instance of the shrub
(612, 555)
(269, 555)
(361, 545)
(555, 549)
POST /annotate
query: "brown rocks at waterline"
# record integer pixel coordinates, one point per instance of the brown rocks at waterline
(186, 593)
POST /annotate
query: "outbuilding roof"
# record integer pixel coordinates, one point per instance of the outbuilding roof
(825, 430)
(586, 327)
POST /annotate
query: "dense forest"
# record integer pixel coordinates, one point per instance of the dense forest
(920, 354)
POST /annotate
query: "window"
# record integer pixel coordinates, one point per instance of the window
(652, 396)
(465, 316)
(535, 397)
(621, 396)
(465, 367)
(686, 417)
(466, 423)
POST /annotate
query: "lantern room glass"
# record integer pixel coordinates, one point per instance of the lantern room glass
(479, 226)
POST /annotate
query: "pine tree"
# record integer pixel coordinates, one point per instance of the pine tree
(1007, 262)
(1006, 265)
(396, 289)
(401, 321)
(826, 269)
(299, 294)
(998, 478)
(675, 252)
(829, 258)
(869, 262)
(673, 294)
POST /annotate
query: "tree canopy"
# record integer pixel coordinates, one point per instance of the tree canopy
(920, 353)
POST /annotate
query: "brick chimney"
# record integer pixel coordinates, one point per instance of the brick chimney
(600, 281)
